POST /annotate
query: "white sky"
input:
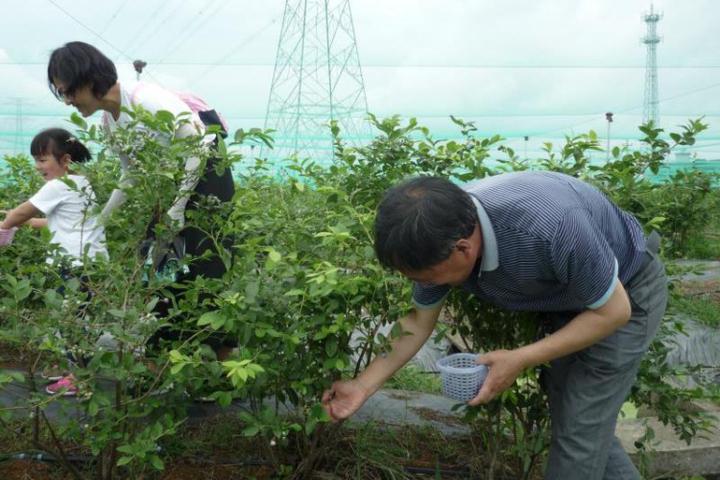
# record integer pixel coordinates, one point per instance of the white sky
(518, 67)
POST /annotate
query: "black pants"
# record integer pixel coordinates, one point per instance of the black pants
(197, 244)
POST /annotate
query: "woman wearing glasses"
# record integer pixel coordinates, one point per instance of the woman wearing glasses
(82, 76)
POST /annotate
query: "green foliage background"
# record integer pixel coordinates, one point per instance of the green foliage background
(301, 278)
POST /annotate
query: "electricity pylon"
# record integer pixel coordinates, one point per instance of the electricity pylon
(651, 39)
(317, 78)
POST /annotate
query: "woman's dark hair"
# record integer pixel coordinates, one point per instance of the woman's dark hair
(58, 142)
(77, 64)
(419, 221)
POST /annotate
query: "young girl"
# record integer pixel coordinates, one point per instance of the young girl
(67, 209)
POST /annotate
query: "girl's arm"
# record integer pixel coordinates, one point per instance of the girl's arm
(37, 222)
(19, 215)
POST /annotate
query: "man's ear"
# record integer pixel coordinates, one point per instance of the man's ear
(463, 245)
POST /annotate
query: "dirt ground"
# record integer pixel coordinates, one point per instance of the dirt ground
(29, 470)
(709, 290)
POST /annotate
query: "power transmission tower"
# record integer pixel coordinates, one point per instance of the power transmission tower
(609, 118)
(317, 78)
(651, 39)
(19, 144)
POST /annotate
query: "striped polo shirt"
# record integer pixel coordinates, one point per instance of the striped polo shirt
(550, 242)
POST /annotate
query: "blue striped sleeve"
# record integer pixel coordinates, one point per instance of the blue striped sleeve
(583, 260)
(604, 299)
(426, 295)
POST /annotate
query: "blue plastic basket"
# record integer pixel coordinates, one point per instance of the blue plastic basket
(461, 376)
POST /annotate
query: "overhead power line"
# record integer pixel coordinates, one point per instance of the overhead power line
(100, 37)
(463, 115)
(135, 39)
(162, 23)
(419, 65)
(114, 16)
(184, 36)
(242, 44)
(597, 116)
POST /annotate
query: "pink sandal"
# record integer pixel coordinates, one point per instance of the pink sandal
(65, 386)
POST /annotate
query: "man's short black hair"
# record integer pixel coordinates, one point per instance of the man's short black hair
(419, 222)
(77, 64)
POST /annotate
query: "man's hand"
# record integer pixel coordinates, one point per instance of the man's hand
(344, 398)
(504, 366)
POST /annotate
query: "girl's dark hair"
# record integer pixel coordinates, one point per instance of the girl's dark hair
(77, 64)
(58, 142)
(419, 222)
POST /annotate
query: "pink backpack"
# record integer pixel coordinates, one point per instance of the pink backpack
(197, 106)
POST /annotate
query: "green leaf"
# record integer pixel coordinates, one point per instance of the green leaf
(331, 346)
(11, 375)
(254, 367)
(151, 304)
(274, 255)
(250, 431)
(222, 148)
(310, 426)
(317, 412)
(156, 462)
(177, 368)
(251, 291)
(224, 399)
(215, 319)
(165, 117)
(78, 120)
(125, 449)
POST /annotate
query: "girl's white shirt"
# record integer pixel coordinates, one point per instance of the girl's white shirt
(70, 219)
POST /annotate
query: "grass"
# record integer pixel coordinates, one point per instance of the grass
(410, 377)
(705, 244)
(704, 310)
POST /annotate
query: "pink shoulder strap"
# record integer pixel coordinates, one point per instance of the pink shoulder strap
(194, 103)
(198, 105)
